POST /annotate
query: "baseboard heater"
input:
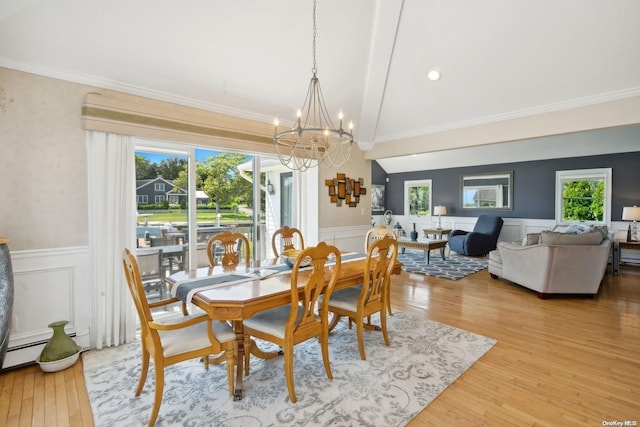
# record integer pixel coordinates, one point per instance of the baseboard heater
(25, 355)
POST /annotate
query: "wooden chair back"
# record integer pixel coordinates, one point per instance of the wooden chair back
(378, 268)
(286, 239)
(233, 245)
(302, 319)
(377, 233)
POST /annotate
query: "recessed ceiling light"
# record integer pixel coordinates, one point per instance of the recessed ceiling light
(433, 75)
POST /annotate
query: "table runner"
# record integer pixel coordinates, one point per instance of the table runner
(186, 289)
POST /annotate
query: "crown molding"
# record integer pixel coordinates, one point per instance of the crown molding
(528, 112)
(94, 81)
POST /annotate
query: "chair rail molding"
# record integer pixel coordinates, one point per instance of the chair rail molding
(50, 285)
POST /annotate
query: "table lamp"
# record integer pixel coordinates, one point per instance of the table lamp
(631, 214)
(439, 210)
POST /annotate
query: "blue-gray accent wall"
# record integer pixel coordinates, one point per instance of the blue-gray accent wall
(533, 184)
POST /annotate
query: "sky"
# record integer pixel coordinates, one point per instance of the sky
(157, 158)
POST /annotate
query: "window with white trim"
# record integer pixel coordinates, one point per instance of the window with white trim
(159, 186)
(417, 197)
(583, 195)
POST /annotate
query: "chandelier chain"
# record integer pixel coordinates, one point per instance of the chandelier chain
(315, 67)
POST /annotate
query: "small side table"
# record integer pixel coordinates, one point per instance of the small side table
(437, 232)
(618, 245)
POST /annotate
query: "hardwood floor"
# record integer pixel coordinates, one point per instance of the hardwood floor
(558, 362)
(30, 397)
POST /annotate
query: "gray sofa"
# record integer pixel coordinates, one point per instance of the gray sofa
(554, 263)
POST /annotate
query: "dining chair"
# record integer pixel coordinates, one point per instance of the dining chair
(298, 321)
(374, 234)
(286, 238)
(232, 246)
(377, 233)
(174, 340)
(359, 302)
(152, 272)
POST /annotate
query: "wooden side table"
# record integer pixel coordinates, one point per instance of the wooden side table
(437, 232)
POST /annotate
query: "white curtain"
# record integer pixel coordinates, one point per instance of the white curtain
(112, 221)
(305, 198)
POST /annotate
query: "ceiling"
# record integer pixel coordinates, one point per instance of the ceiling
(251, 58)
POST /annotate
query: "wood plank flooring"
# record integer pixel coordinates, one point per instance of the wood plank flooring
(558, 362)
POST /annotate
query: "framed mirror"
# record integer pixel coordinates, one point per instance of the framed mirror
(417, 198)
(492, 190)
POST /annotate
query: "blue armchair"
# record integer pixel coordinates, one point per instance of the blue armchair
(482, 240)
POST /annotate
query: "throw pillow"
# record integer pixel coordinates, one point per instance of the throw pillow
(577, 229)
(554, 238)
(603, 229)
(531, 239)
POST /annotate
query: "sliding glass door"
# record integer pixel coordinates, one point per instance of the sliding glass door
(186, 194)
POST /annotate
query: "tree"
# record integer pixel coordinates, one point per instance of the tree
(597, 204)
(221, 180)
(170, 168)
(144, 168)
(182, 181)
(583, 200)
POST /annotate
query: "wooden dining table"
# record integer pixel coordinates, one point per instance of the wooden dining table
(239, 299)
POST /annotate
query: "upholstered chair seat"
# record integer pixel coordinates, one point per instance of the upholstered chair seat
(179, 341)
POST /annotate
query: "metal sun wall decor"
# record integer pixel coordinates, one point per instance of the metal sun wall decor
(345, 189)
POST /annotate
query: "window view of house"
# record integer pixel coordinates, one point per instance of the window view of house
(223, 193)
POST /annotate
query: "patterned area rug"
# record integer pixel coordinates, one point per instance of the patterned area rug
(389, 388)
(454, 267)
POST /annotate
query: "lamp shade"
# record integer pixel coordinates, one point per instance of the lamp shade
(442, 210)
(631, 213)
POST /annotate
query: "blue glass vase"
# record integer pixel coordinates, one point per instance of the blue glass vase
(414, 233)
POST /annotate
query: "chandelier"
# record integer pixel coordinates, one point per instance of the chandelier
(313, 139)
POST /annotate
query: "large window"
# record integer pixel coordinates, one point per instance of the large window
(583, 195)
(205, 193)
(220, 187)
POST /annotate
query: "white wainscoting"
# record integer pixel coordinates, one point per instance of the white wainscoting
(49, 285)
(350, 239)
